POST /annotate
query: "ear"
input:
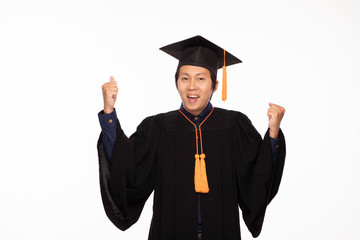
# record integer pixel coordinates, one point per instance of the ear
(216, 86)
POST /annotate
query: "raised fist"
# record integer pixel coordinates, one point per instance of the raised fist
(109, 91)
(275, 114)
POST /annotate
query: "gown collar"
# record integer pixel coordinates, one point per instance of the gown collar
(198, 119)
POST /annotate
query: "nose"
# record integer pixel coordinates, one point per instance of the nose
(192, 84)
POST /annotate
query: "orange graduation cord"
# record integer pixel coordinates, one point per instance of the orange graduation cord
(200, 177)
(224, 81)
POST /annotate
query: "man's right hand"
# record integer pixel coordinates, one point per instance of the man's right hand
(109, 91)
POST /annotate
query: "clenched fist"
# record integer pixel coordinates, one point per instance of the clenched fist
(109, 91)
(275, 114)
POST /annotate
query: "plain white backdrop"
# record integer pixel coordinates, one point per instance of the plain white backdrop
(55, 55)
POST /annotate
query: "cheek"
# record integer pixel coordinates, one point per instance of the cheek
(208, 89)
(181, 87)
(180, 90)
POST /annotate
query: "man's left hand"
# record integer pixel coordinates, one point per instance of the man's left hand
(275, 114)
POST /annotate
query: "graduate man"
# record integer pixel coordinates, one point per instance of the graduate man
(202, 163)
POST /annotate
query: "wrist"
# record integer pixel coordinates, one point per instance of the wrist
(274, 132)
(108, 110)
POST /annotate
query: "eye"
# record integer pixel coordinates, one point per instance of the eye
(201, 78)
(184, 78)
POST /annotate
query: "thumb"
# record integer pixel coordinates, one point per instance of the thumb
(112, 79)
(270, 104)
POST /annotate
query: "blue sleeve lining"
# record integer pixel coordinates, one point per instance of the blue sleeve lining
(108, 123)
(274, 147)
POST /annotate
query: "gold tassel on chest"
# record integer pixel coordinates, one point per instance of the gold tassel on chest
(200, 176)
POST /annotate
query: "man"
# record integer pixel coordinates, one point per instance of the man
(202, 162)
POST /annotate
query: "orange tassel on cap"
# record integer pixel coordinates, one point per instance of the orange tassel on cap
(224, 81)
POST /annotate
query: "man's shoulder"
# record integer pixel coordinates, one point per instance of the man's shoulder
(230, 113)
(161, 119)
(173, 113)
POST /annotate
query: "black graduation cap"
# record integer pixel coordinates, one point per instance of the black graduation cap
(198, 51)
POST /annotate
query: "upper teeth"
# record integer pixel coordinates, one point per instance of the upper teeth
(192, 96)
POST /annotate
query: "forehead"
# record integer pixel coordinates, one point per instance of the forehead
(190, 69)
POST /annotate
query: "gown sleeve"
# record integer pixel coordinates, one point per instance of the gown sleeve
(128, 179)
(258, 176)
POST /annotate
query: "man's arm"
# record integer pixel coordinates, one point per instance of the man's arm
(275, 114)
(108, 123)
(274, 147)
(107, 117)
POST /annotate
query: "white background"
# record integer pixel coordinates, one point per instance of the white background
(55, 55)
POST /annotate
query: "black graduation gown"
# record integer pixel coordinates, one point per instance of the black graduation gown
(159, 156)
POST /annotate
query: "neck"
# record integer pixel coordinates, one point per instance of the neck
(194, 113)
(202, 113)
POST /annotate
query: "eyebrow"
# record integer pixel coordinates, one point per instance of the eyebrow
(197, 74)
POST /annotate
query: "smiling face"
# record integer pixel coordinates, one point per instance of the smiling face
(195, 88)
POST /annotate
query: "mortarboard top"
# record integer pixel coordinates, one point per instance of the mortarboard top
(198, 51)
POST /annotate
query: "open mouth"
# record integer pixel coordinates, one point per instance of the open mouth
(192, 98)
